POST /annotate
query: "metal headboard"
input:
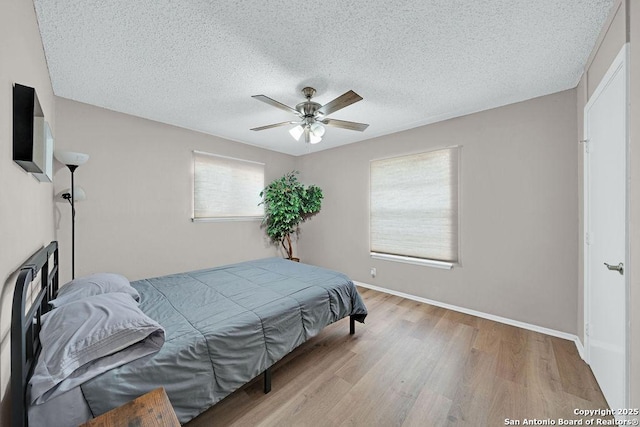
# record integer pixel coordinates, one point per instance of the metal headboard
(28, 308)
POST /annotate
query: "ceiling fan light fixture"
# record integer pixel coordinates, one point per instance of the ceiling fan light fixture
(317, 129)
(296, 132)
(313, 139)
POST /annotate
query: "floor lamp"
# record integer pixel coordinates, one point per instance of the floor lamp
(72, 160)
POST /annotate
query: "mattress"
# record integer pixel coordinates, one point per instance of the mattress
(223, 327)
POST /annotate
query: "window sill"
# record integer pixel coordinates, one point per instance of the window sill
(416, 261)
(228, 219)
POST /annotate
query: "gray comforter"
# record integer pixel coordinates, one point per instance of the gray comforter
(225, 326)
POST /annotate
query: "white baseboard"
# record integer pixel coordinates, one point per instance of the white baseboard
(580, 348)
(499, 319)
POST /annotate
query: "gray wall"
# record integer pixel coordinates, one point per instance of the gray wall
(519, 211)
(26, 207)
(138, 180)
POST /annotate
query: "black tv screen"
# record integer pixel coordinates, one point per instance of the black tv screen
(28, 129)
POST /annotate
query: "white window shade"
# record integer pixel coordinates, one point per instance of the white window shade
(226, 188)
(414, 205)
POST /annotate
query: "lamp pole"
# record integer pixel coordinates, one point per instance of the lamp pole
(72, 160)
(70, 198)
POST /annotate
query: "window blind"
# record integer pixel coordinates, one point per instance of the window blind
(414, 205)
(224, 187)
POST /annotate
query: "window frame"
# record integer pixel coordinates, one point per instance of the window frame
(447, 265)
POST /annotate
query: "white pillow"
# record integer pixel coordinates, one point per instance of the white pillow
(87, 337)
(94, 284)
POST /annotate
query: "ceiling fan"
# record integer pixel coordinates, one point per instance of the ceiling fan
(312, 116)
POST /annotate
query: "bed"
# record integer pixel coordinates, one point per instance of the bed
(208, 333)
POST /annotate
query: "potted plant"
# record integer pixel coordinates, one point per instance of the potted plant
(287, 203)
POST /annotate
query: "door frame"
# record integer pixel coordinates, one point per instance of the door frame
(620, 62)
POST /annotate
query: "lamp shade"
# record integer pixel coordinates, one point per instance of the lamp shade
(70, 157)
(313, 139)
(79, 194)
(297, 132)
(317, 129)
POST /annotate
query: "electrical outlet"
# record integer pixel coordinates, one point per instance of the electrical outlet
(373, 272)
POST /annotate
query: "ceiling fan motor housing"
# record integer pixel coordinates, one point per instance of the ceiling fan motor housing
(308, 109)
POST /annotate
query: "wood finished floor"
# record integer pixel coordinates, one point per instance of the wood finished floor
(414, 364)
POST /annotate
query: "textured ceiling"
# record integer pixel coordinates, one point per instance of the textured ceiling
(196, 63)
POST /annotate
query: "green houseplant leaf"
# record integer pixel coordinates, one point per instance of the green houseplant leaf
(287, 203)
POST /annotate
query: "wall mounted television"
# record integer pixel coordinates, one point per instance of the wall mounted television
(32, 139)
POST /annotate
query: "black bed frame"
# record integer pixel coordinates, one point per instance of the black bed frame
(26, 319)
(267, 373)
(26, 325)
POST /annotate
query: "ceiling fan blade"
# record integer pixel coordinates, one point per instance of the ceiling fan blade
(345, 125)
(275, 125)
(340, 102)
(276, 104)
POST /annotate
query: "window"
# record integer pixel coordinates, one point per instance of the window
(226, 188)
(414, 208)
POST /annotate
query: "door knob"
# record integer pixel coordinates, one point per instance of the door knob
(619, 268)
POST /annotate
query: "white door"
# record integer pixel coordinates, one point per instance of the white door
(605, 224)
